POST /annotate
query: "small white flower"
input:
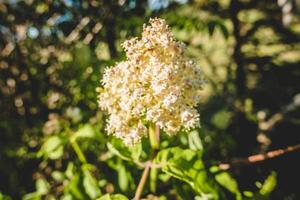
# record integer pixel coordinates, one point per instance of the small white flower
(170, 99)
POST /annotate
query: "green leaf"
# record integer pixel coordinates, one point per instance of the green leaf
(204, 197)
(221, 119)
(70, 170)
(66, 197)
(223, 29)
(136, 151)
(113, 197)
(211, 27)
(269, 184)
(58, 176)
(74, 187)
(90, 185)
(32, 196)
(82, 55)
(122, 178)
(52, 148)
(86, 131)
(116, 152)
(195, 141)
(4, 197)
(224, 179)
(117, 148)
(119, 197)
(187, 166)
(42, 186)
(248, 194)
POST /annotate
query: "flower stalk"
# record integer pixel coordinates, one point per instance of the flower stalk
(142, 182)
(154, 135)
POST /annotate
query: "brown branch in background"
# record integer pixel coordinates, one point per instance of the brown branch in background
(258, 157)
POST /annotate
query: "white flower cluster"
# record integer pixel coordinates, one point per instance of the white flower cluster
(156, 84)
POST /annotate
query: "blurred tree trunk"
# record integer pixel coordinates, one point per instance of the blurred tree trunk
(240, 79)
(110, 37)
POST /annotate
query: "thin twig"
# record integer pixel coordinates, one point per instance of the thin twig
(149, 164)
(142, 182)
(144, 177)
(258, 157)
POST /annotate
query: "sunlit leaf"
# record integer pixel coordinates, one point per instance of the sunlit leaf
(195, 141)
(186, 165)
(118, 148)
(113, 197)
(42, 186)
(74, 187)
(58, 176)
(86, 131)
(52, 148)
(248, 194)
(67, 197)
(70, 170)
(116, 152)
(32, 196)
(136, 151)
(122, 178)
(4, 197)
(90, 185)
(269, 184)
(224, 179)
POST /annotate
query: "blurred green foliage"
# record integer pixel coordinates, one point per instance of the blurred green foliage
(53, 144)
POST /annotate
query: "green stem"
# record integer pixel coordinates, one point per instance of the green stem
(153, 179)
(154, 136)
(78, 151)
